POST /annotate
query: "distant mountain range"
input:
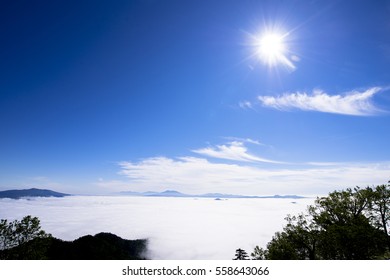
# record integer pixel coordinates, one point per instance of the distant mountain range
(172, 193)
(16, 194)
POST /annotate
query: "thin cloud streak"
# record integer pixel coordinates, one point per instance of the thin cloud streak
(245, 105)
(235, 151)
(245, 140)
(356, 103)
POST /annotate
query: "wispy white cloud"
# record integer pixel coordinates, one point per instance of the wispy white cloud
(325, 163)
(357, 103)
(244, 140)
(245, 105)
(198, 175)
(235, 150)
(188, 174)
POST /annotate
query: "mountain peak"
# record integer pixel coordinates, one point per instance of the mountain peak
(32, 192)
(174, 193)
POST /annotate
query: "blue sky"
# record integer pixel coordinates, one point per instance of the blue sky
(106, 96)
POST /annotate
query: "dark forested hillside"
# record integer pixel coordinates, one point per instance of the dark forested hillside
(102, 246)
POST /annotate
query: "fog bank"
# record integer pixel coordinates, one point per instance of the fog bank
(177, 228)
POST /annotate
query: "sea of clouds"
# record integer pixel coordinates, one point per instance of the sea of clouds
(177, 228)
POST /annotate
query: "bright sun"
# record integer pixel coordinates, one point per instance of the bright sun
(271, 47)
(272, 50)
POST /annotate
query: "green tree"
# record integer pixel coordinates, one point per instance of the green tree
(281, 248)
(241, 255)
(303, 234)
(258, 253)
(298, 240)
(15, 233)
(357, 239)
(347, 224)
(380, 207)
(345, 230)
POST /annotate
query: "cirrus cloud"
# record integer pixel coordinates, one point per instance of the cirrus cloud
(356, 103)
(235, 150)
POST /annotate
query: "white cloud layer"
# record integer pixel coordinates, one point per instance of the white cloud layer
(198, 175)
(357, 103)
(177, 228)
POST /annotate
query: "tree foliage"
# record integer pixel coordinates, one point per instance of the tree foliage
(25, 240)
(241, 254)
(347, 224)
(102, 246)
(380, 207)
(258, 253)
(15, 233)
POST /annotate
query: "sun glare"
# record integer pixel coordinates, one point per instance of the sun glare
(271, 48)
